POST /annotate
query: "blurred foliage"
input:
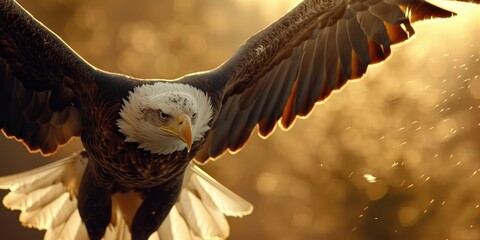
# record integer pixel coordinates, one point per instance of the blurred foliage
(393, 156)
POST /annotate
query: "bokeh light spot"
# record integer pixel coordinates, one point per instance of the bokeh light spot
(376, 190)
(475, 88)
(266, 183)
(408, 214)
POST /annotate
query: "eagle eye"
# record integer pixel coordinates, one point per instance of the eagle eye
(164, 116)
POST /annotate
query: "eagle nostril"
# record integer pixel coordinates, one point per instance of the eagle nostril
(180, 122)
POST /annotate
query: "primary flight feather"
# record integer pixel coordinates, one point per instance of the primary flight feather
(135, 178)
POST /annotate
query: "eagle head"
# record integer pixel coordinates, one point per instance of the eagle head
(165, 117)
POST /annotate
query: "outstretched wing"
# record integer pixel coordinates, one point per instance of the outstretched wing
(38, 76)
(47, 199)
(282, 71)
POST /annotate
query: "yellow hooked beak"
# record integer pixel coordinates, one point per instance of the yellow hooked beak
(182, 128)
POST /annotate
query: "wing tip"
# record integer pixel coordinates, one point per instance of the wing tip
(422, 10)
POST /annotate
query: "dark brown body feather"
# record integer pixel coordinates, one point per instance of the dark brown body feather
(115, 160)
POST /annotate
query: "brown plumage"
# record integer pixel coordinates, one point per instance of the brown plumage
(49, 94)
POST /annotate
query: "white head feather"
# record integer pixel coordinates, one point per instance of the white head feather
(170, 98)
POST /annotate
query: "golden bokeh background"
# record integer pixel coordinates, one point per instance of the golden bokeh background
(395, 155)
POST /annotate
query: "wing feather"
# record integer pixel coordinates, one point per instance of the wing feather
(373, 27)
(38, 75)
(359, 42)
(305, 78)
(281, 72)
(272, 110)
(344, 49)
(330, 64)
(388, 13)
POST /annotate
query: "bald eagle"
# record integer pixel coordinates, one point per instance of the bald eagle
(135, 178)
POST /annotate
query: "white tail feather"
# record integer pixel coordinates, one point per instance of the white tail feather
(227, 201)
(39, 177)
(197, 217)
(54, 233)
(33, 200)
(47, 199)
(119, 229)
(174, 227)
(42, 218)
(218, 217)
(74, 228)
